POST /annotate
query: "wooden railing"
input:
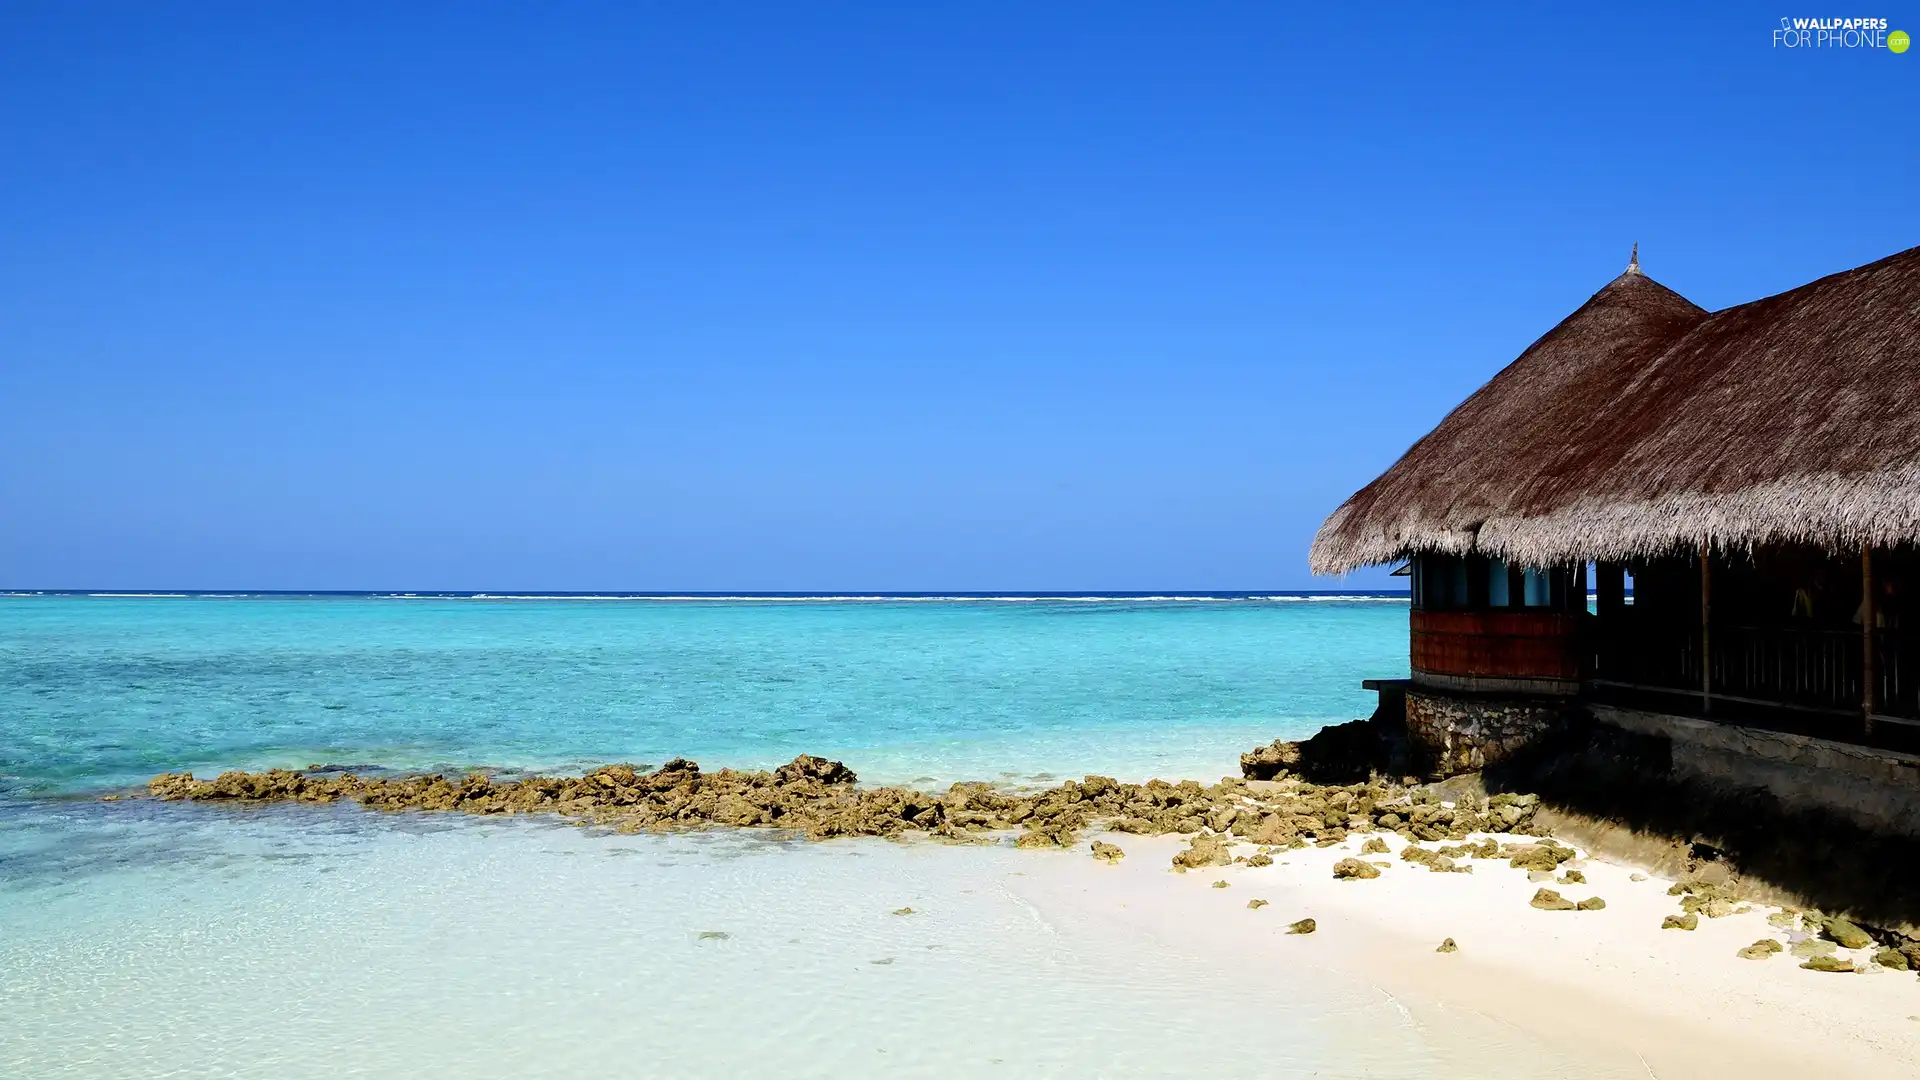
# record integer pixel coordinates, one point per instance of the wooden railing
(1809, 668)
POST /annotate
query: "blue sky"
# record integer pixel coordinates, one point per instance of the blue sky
(714, 296)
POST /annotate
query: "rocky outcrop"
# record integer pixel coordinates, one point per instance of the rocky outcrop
(1339, 753)
(819, 799)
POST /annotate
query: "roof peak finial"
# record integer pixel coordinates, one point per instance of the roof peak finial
(1633, 260)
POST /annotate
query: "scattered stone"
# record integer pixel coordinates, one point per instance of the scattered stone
(1846, 934)
(1548, 900)
(1432, 860)
(1829, 963)
(1262, 859)
(1592, 903)
(1348, 869)
(1304, 926)
(1222, 883)
(1571, 877)
(1447, 946)
(1203, 850)
(1892, 958)
(1374, 846)
(1760, 950)
(1680, 922)
(1256, 905)
(1107, 853)
(1545, 855)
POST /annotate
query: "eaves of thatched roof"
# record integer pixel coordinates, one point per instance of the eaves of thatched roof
(1641, 424)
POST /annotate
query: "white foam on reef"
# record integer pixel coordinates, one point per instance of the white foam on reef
(297, 942)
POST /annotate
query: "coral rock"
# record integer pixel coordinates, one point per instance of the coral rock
(1548, 900)
(1349, 869)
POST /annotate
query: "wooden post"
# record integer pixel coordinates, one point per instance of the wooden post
(1706, 628)
(1868, 616)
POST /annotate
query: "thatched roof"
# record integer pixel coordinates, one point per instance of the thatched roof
(1642, 424)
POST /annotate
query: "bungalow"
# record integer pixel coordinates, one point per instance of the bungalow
(1700, 526)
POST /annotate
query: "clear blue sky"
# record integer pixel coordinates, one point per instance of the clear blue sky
(710, 296)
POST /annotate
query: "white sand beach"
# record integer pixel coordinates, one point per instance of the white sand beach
(1609, 985)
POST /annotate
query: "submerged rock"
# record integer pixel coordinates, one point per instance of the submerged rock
(1304, 926)
(1354, 869)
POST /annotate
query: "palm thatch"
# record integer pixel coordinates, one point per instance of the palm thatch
(1641, 424)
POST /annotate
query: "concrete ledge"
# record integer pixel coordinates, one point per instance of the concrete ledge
(1488, 684)
(1878, 790)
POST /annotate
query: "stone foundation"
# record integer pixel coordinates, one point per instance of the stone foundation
(1450, 735)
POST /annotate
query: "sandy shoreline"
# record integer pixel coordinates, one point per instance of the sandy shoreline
(1608, 984)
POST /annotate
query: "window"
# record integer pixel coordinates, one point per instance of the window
(1499, 589)
(1538, 586)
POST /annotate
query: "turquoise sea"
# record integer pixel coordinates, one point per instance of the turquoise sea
(99, 692)
(140, 939)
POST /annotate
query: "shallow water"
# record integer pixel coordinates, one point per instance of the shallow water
(140, 939)
(292, 942)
